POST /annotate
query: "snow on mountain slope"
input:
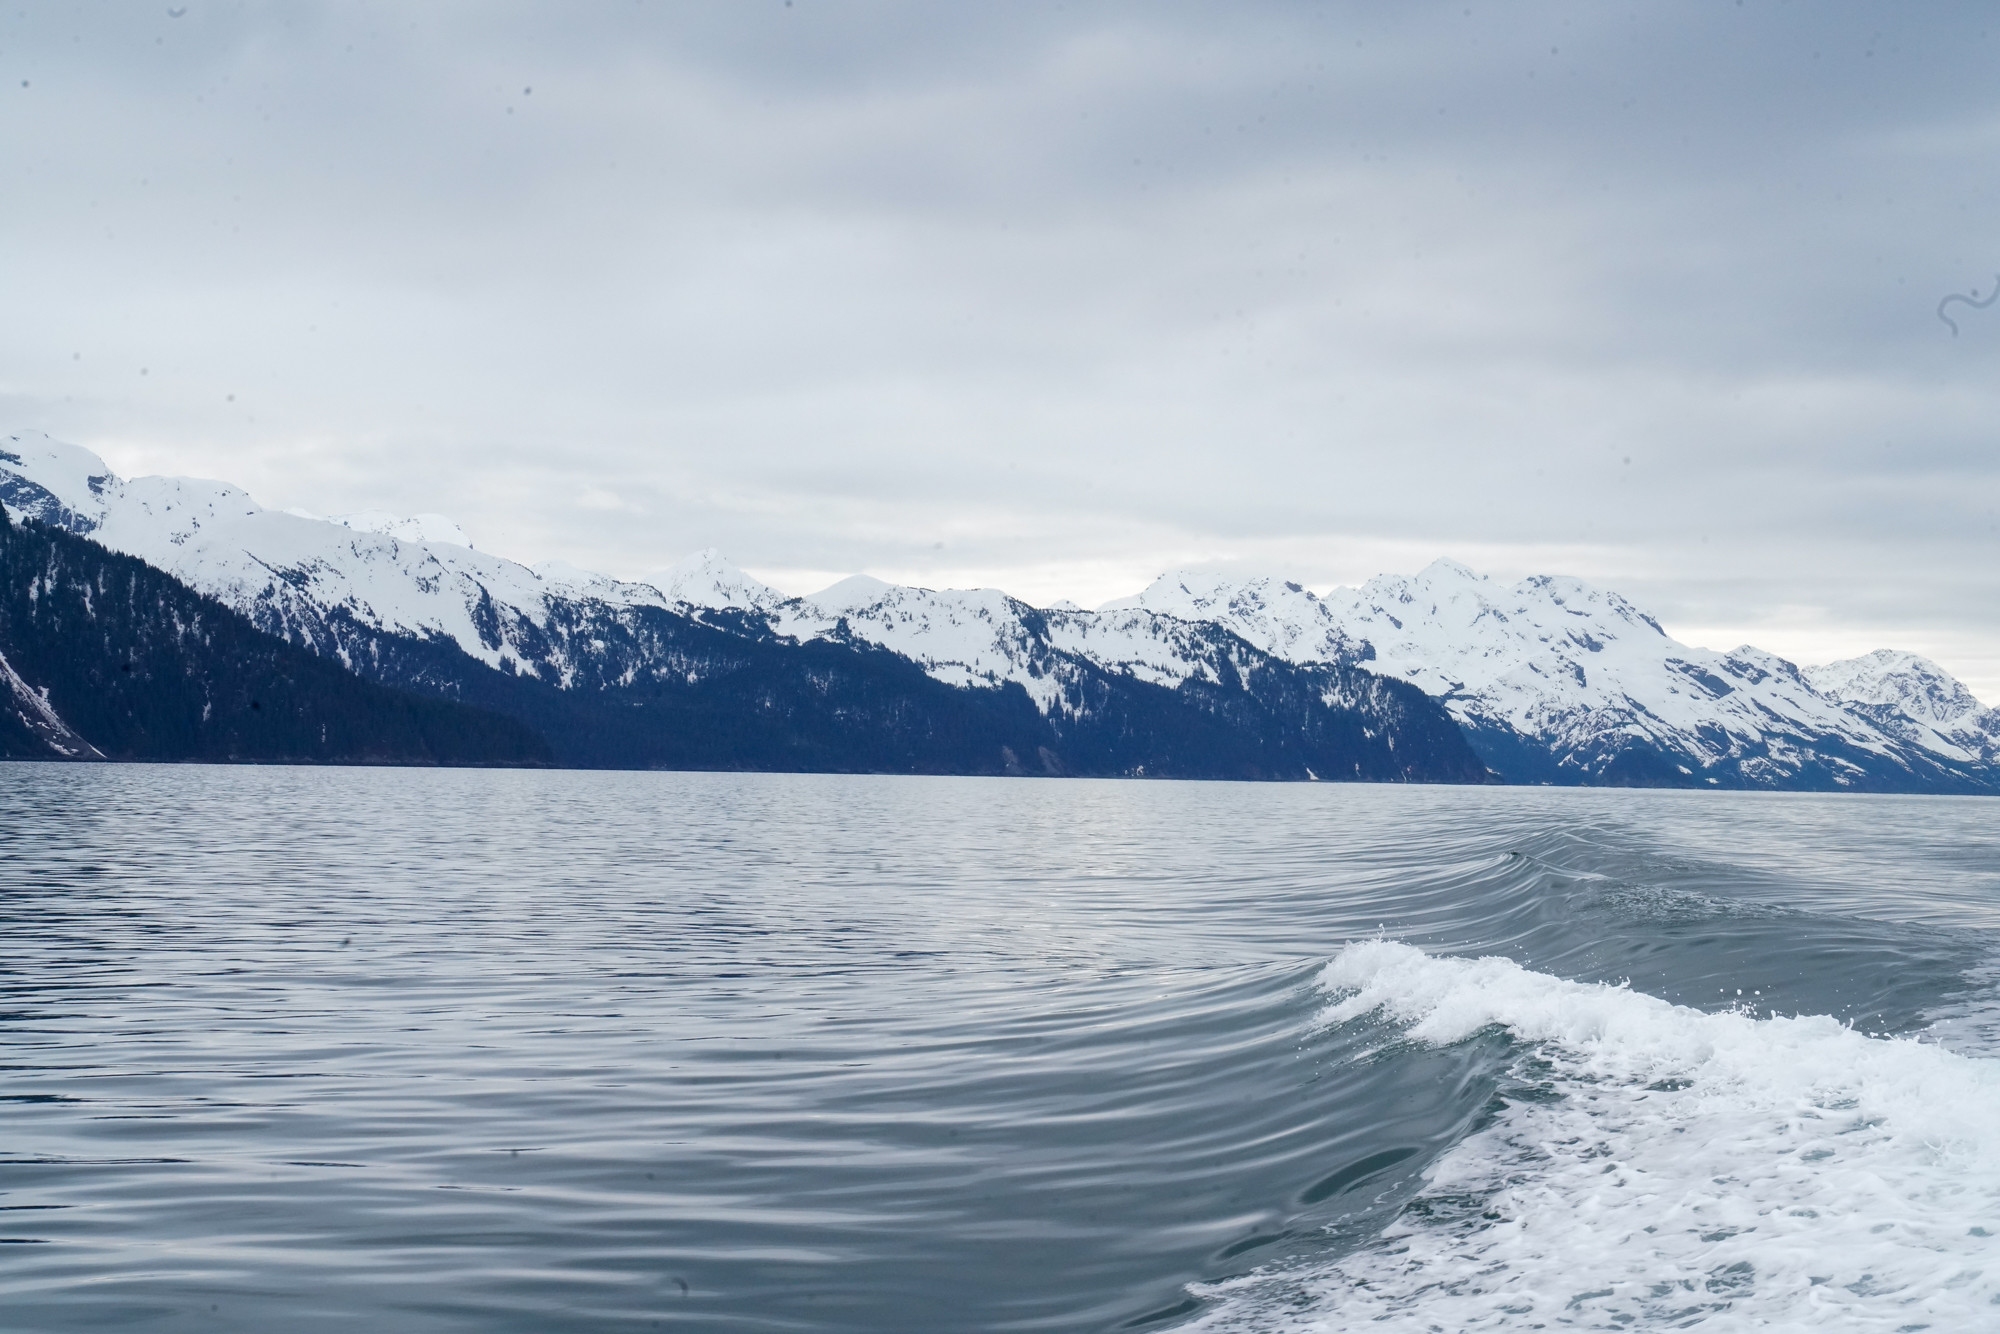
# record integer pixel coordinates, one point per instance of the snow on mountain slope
(289, 573)
(706, 579)
(1558, 659)
(32, 709)
(1592, 682)
(1915, 699)
(302, 577)
(416, 528)
(1275, 615)
(964, 638)
(983, 637)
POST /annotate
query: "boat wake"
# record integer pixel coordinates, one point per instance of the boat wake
(1647, 1165)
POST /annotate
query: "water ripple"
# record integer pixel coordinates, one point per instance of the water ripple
(470, 1051)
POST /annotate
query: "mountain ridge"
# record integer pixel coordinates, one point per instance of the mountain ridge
(726, 673)
(1550, 680)
(1558, 680)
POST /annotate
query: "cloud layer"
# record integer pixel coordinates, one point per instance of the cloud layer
(1051, 296)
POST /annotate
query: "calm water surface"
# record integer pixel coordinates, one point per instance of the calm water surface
(297, 1049)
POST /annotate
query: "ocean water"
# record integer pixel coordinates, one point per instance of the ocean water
(318, 1049)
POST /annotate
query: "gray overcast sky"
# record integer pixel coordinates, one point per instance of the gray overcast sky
(1051, 296)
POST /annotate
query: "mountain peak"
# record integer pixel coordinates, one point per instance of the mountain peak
(1445, 569)
(851, 594)
(1276, 615)
(1184, 593)
(53, 482)
(708, 579)
(1910, 682)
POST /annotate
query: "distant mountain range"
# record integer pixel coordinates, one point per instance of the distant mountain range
(1558, 682)
(717, 671)
(1444, 676)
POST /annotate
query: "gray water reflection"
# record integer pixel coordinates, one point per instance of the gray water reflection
(288, 1048)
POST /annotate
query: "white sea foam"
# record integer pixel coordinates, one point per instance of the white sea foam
(1685, 1170)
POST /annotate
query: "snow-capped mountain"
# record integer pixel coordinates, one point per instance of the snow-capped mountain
(1276, 615)
(105, 657)
(305, 578)
(1913, 698)
(381, 594)
(982, 637)
(1558, 681)
(1551, 679)
(292, 574)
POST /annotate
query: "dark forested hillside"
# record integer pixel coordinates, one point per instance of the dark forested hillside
(720, 691)
(106, 656)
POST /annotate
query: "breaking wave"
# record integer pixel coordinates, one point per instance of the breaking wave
(1650, 1166)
